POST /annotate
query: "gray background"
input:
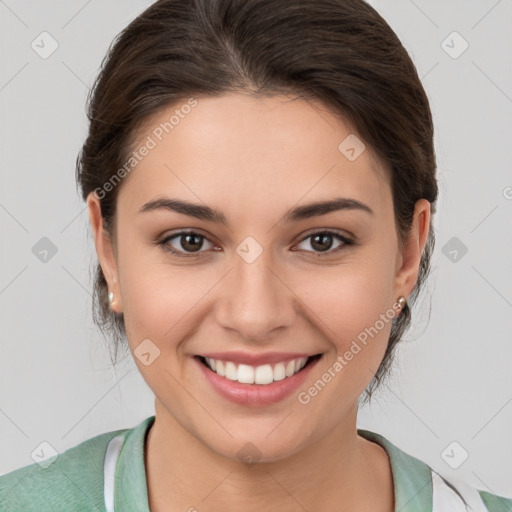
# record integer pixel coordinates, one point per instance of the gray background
(452, 381)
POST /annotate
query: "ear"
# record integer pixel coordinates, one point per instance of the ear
(408, 261)
(104, 250)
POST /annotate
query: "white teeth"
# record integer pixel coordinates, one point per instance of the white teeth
(219, 368)
(231, 372)
(245, 374)
(290, 369)
(264, 374)
(279, 371)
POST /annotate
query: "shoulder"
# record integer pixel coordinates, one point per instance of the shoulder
(448, 492)
(70, 480)
(418, 486)
(495, 503)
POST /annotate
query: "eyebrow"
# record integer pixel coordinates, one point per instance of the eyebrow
(295, 214)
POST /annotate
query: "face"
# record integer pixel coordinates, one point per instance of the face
(266, 279)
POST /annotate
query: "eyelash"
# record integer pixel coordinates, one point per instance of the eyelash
(166, 247)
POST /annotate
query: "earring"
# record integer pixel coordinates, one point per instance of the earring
(110, 298)
(402, 302)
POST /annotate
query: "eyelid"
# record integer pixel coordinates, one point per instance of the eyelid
(335, 231)
(165, 240)
(346, 241)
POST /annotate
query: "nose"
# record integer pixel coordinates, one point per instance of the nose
(255, 300)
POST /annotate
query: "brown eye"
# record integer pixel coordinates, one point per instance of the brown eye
(184, 243)
(322, 242)
(191, 242)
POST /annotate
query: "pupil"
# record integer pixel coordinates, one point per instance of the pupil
(322, 237)
(193, 246)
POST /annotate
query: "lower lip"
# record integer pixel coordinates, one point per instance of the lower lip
(256, 394)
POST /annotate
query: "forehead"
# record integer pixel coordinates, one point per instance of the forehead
(246, 151)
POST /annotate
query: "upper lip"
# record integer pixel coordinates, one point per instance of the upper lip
(239, 357)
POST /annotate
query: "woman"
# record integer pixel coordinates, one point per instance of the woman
(260, 180)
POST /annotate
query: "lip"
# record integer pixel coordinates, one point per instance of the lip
(256, 395)
(239, 357)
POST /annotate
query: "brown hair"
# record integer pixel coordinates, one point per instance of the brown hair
(341, 52)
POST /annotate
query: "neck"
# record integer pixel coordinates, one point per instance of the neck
(185, 474)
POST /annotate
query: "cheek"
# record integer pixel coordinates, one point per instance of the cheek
(365, 284)
(160, 299)
(356, 319)
(353, 302)
(154, 301)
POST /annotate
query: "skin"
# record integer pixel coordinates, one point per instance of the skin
(254, 159)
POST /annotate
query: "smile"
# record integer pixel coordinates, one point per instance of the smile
(262, 375)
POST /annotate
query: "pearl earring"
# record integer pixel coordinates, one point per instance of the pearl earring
(110, 298)
(402, 302)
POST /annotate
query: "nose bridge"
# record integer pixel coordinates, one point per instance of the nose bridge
(255, 300)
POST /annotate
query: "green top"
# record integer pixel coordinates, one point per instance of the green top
(75, 480)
